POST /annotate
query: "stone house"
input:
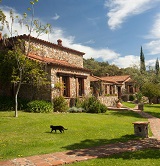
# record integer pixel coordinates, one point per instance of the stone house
(121, 85)
(64, 65)
(111, 88)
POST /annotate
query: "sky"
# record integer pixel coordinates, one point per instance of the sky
(107, 30)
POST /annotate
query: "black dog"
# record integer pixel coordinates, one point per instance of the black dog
(60, 128)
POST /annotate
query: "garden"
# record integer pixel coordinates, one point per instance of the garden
(29, 134)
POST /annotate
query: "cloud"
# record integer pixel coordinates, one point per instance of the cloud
(56, 17)
(105, 54)
(150, 63)
(131, 61)
(154, 45)
(16, 26)
(126, 61)
(90, 42)
(154, 32)
(120, 10)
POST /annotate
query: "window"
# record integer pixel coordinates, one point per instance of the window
(111, 89)
(68, 89)
(66, 86)
(130, 89)
(106, 89)
(80, 86)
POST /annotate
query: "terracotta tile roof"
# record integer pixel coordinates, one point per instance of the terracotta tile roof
(55, 62)
(95, 78)
(130, 80)
(27, 37)
(118, 79)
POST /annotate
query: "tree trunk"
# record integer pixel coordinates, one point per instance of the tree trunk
(16, 105)
(16, 95)
(150, 101)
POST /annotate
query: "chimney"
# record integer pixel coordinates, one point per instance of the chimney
(59, 42)
(0, 35)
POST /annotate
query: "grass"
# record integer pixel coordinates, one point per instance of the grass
(153, 109)
(146, 157)
(29, 134)
(128, 104)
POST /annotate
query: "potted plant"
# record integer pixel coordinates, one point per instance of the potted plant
(139, 97)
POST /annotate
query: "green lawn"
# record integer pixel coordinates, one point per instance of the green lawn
(128, 104)
(29, 134)
(153, 109)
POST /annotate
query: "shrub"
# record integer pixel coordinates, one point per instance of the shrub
(92, 105)
(72, 102)
(75, 110)
(125, 97)
(78, 102)
(39, 106)
(103, 108)
(139, 96)
(131, 98)
(22, 104)
(60, 104)
(8, 103)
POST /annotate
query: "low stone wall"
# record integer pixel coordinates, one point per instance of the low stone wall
(108, 100)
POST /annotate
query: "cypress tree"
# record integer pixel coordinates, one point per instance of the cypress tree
(142, 61)
(157, 67)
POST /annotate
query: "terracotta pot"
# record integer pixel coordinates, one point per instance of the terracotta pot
(118, 105)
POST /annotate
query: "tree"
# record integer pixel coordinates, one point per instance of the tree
(22, 68)
(151, 90)
(157, 67)
(136, 75)
(101, 68)
(142, 61)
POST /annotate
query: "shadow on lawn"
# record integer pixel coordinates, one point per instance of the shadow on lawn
(116, 148)
(98, 142)
(152, 153)
(125, 113)
(155, 114)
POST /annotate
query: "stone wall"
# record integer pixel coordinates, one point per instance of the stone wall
(57, 52)
(73, 84)
(48, 92)
(109, 101)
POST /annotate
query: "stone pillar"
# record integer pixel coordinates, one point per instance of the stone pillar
(140, 106)
(141, 129)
